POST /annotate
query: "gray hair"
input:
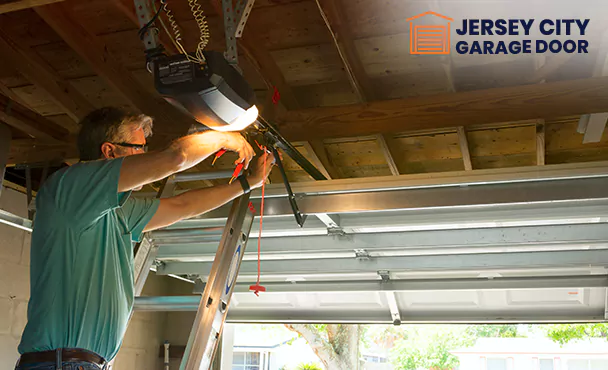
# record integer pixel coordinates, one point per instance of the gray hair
(109, 124)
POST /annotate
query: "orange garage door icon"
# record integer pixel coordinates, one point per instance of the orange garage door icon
(430, 39)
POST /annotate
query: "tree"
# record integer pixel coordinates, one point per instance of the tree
(493, 331)
(336, 345)
(429, 346)
(564, 333)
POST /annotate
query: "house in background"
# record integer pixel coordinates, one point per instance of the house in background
(264, 347)
(274, 347)
(533, 354)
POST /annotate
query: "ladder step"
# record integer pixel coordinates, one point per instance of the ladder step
(186, 233)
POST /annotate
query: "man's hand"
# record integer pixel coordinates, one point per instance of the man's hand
(259, 175)
(236, 143)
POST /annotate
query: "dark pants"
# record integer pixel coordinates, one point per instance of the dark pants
(72, 365)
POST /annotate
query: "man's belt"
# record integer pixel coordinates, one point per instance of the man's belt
(67, 355)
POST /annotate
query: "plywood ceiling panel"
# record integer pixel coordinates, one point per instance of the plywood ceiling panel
(358, 158)
(368, 18)
(507, 147)
(100, 16)
(381, 55)
(99, 93)
(27, 28)
(324, 95)
(487, 76)
(65, 121)
(37, 99)
(410, 85)
(310, 65)
(565, 145)
(289, 26)
(64, 60)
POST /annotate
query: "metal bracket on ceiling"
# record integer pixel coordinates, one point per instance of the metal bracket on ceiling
(235, 18)
(385, 275)
(362, 255)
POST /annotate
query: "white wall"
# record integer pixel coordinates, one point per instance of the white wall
(525, 361)
(145, 332)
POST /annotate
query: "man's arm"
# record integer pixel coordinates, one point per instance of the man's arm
(197, 202)
(183, 153)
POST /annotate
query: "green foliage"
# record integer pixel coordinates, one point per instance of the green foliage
(309, 366)
(493, 331)
(564, 333)
(428, 347)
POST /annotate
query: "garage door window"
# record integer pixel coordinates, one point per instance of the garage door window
(587, 364)
(246, 361)
(546, 364)
(497, 364)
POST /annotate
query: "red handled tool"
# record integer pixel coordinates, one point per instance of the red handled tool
(217, 155)
(237, 170)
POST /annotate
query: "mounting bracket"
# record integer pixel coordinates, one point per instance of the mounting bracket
(235, 18)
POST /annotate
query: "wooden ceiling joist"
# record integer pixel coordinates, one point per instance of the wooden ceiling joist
(464, 148)
(386, 151)
(316, 161)
(540, 143)
(555, 99)
(13, 6)
(34, 151)
(336, 23)
(331, 11)
(170, 121)
(20, 117)
(35, 69)
(318, 150)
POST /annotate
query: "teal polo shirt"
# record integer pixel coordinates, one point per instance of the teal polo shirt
(81, 268)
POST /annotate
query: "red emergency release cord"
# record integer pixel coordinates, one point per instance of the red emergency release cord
(257, 288)
(276, 96)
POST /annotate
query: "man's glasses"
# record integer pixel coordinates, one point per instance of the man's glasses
(141, 147)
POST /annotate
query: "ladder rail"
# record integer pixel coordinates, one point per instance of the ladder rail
(212, 311)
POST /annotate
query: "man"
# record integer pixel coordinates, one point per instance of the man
(81, 252)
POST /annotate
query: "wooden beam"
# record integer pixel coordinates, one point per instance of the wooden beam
(318, 149)
(516, 103)
(253, 49)
(13, 6)
(464, 148)
(386, 151)
(33, 151)
(540, 143)
(20, 117)
(6, 91)
(30, 65)
(314, 159)
(335, 20)
(170, 122)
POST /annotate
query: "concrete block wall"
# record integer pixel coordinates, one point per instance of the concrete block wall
(145, 333)
(14, 279)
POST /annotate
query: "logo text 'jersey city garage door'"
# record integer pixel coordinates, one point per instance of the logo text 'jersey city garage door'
(433, 37)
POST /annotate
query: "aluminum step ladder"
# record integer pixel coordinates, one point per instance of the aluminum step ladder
(213, 308)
